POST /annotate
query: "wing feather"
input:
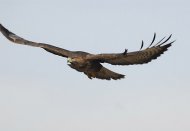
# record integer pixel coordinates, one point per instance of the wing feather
(137, 57)
(17, 39)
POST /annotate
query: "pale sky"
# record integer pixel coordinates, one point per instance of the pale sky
(39, 92)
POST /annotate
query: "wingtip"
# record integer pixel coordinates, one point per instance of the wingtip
(0, 26)
(165, 40)
(168, 45)
(5, 32)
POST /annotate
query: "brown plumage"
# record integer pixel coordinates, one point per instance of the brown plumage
(90, 64)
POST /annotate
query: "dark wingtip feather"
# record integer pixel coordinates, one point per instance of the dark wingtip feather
(125, 52)
(165, 40)
(2, 28)
(142, 44)
(162, 47)
(165, 47)
(5, 31)
(152, 40)
(159, 41)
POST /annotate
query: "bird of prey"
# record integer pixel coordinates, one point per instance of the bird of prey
(90, 64)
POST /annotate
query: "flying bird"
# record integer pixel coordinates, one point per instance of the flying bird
(90, 64)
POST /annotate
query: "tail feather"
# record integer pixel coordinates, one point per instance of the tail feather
(105, 74)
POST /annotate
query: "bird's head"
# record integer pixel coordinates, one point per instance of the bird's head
(69, 60)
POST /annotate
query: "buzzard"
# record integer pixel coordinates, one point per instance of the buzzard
(90, 64)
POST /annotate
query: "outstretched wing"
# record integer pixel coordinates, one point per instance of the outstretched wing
(16, 39)
(138, 57)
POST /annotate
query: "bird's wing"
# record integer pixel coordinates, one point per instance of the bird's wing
(104, 73)
(17, 39)
(138, 57)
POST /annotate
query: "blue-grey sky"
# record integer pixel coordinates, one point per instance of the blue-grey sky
(39, 92)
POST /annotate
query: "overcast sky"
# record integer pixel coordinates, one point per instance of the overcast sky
(39, 92)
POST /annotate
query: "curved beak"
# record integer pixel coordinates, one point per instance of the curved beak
(69, 60)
